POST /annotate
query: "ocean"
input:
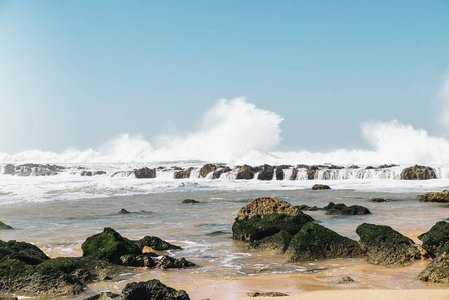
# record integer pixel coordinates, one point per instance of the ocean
(58, 212)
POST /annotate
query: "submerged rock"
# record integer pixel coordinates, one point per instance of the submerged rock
(105, 296)
(344, 280)
(155, 243)
(190, 201)
(378, 200)
(418, 173)
(109, 245)
(4, 226)
(342, 209)
(437, 237)
(315, 241)
(266, 294)
(278, 242)
(387, 247)
(320, 187)
(442, 197)
(123, 211)
(308, 208)
(152, 290)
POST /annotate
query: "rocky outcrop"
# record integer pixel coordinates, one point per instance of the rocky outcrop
(4, 226)
(152, 290)
(145, 173)
(33, 170)
(387, 247)
(245, 172)
(437, 237)
(278, 242)
(438, 269)
(418, 173)
(183, 173)
(218, 173)
(320, 187)
(155, 243)
(267, 216)
(315, 241)
(266, 172)
(26, 270)
(105, 296)
(442, 197)
(342, 209)
(109, 245)
(206, 169)
(280, 172)
(294, 174)
(266, 205)
(311, 172)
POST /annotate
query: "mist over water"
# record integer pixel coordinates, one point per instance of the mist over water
(236, 132)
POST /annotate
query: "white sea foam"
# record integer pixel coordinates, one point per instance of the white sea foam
(236, 132)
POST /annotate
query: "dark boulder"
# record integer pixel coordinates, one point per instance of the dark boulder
(183, 173)
(418, 173)
(294, 174)
(342, 209)
(280, 172)
(386, 246)
(320, 187)
(314, 241)
(442, 197)
(145, 173)
(155, 243)
(123, 211)
(278, 242)
(218, 173)
(167, 262)
(206, 169)
(245, 172)
(438, 269)
(132, 260)
(259, 227)
(4, 226)
(190, 201)
(109, 245)
(266, 172)
(152, 290)
(311, 171)
(434, 239)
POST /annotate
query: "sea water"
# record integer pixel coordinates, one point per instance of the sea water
(57, 213)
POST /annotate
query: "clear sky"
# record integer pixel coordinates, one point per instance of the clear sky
(76, 73)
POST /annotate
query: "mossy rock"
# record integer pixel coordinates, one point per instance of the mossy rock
(22, 251)
(438, 269)
(109, 245)
(152, 290)
(342, 209)
(442, 197)
(434, 239)
(315, 241)
(308, 208)
(386, 246)
(155, 243)
(278, 242)
(259, 227)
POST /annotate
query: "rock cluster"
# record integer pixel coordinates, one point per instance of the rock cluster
(32, 170)
(442, 197)
(338, 209)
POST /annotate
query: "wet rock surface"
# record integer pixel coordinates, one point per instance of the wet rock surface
(438, 269)
(436, 238)
(441, 197)
(418, 173)
(386, 246)
(145, 173)
(190, 201)
(266, 205)
(320, 187)
(4, 226)
(315, 241)
(342, 209)
(279, 242)
(155, 243)
(152, 290)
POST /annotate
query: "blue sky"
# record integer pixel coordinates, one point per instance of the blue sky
(76, 73)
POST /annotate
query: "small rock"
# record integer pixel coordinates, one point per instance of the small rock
(4, 226)
(267, 294)
(123, 211)
(168, 262)
(320, 187)
(104, 296)
(345, 279)
(190, 201)
(152, 289)
(378, 200)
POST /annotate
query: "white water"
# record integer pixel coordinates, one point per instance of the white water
(236, 132)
